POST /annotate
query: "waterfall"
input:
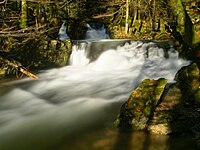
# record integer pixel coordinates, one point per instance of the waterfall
(63, 33)
(96, 31)
(107, 53)
(80, 98)
(81, 50)
(79, 54)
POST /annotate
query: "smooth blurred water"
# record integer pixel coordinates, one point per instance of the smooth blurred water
(74, 107)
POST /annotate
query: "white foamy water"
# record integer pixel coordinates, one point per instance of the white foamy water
(96, 33)
(79, 55)
(72, 98)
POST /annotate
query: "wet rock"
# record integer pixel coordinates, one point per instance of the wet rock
(188, 79)
(178, 111)
(197, 95)
(163, 112)
(136, 112)
(162, 109)
(169, 116)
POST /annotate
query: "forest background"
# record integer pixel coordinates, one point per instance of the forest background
(29, 28)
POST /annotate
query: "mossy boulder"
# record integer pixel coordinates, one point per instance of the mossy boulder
(178, 111)
(136, 112)
(168, 115)
(164, 108)
(188, 79)
(187, 73)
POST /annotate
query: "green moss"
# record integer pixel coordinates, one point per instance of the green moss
(162, 82)
(187, 73)
(147, 111)
(196, 39)
(197, 96)
(142, 102)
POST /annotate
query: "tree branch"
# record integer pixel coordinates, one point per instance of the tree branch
(122, 5)
(105, 15)
(3, 2)
(27, 32)
(19, 67)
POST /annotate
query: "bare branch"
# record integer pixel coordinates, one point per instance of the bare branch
(3, 2)
(28, 32)
(110, 14)
(19, 67)
(105, 15)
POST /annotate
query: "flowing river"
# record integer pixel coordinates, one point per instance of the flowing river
(74, 107)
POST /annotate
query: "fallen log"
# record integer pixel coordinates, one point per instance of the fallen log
(18, 67)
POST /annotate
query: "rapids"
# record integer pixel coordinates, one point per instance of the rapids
(76, 104)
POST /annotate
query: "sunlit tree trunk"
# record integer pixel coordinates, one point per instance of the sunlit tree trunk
(140, 15)
(154, 15)
(139, 9)
(23, 20)
(135, 13)
(127, 15)
(152, 12)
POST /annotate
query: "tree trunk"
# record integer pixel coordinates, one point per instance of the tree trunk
(135, 14)
(23, 14)
(127, 15)
(154, 16)
(150, 14)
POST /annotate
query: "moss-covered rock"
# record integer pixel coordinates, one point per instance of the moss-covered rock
(188, 79)
(197, 95)
(187, 73)
(179, 107)
(168, 116)
(165, 109)
(136, 112)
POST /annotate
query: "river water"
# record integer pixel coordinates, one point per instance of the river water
(74, 107)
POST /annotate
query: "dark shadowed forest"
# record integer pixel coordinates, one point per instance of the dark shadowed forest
(29, 28)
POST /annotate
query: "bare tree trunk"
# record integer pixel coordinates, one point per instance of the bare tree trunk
(152, 12)
(23, 14)
(140, 15)
(135, 14)
(127, 15)
(154, 16)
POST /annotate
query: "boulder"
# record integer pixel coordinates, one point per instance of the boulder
(178, 111)
(135, 113)
(188, 79)
(169, 116)
(164, 108)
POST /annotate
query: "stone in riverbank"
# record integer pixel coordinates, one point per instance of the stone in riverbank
(168, 114)
(188, 79)
(176, 110)
(136, 112)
